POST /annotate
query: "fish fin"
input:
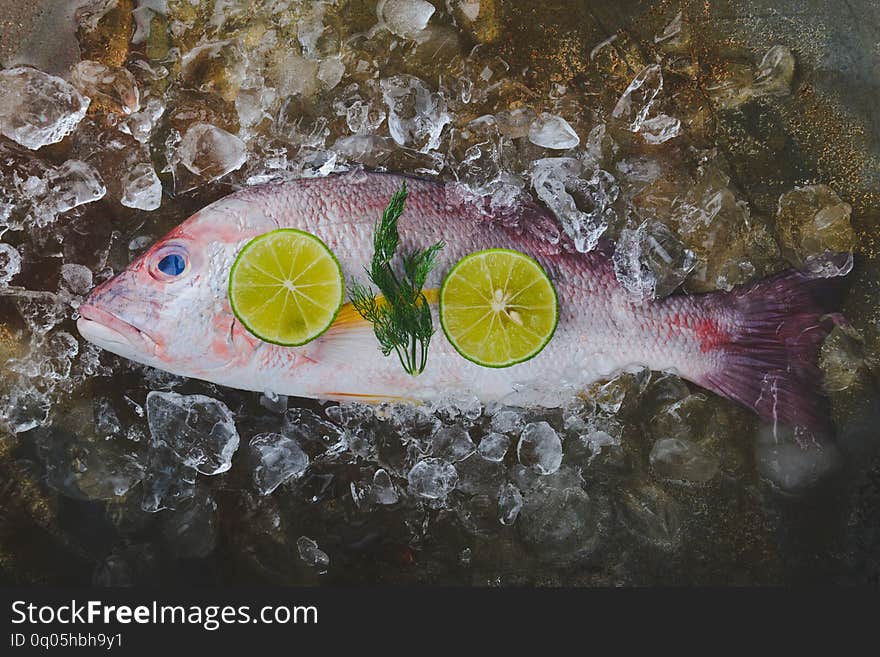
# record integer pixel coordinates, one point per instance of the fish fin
(345, 340)
(769, 363)
(350, 334)
(348, 317)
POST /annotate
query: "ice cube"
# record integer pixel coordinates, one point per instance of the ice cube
(793, 460)
(684, 418)
(775, 72)
(69, 186)
(623, 390)
(410, 420)
(660, 128)
(738, 84)
(509, 421)
(560, 524)
(672, 32)
(352, 414)
(432, 478)
(811, 221)
(311, 31)
(476, 149)
(650, 261)
(732, 86)
(479, 476)
(24, 408)
(540, 448)
(37, 109)
(576, 413)
(77, 278)
(494, 446)
(330, 71)
(416, 116)
(597, 440)
(200, 430)
(551, 131)
(557, 181)
(683, 460)
(651, 514)
(384, 491)
(598, 148)
(211, 152)
(452, 443)
(842, 358)
(451, 407)
(139, 244)
(273, 402)
(107, 422)
(251, 105)
(362, 116)
(53, 361)
(295, 75)
(140, 125)
(470, 9)
(278, 458)
(515, 123)
(311, 554)
(97, 470)
(665, 388)
(168, 482)
(10, 263)
(636, 107)
(41, 192)
(307, 426)
(405, 18)
(510, 503)
(365, 149)
(638, 100)
(141, 188)
(114, 87)
(143, 17)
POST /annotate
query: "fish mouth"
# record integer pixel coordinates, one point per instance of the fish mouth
(112, 333)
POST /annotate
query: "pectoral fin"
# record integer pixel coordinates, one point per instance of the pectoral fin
(350, 335)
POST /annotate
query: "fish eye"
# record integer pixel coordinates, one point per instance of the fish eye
(169, 262)
(173, 264)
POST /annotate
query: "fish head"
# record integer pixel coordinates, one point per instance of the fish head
(169, 308)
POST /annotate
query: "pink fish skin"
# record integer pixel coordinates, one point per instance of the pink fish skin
(757, 344)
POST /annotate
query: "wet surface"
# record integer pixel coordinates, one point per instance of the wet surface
(741, 136)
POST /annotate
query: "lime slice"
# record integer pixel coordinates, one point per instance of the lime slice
(498, 307)
(286, 287)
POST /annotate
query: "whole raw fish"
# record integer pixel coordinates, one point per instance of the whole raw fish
(756, 344)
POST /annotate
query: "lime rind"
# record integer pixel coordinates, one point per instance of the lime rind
(457, 325)
(270, 278)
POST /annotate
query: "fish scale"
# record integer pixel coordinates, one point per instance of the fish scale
(186, 327)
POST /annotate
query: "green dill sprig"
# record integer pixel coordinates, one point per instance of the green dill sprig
(402, 319)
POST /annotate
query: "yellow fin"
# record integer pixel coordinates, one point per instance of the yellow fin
(348, 317)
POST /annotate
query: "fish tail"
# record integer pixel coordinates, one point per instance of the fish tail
(769, 362)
